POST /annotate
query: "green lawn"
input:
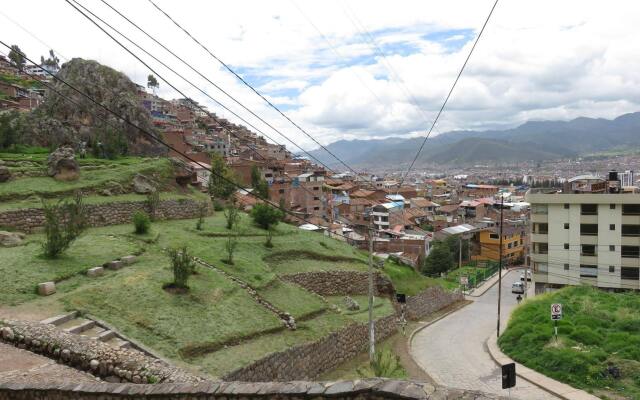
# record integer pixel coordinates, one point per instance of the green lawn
(406, 280)
(599, 330)
(22, 268)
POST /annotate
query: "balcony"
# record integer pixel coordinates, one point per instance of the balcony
(542, 218)
(539, 237)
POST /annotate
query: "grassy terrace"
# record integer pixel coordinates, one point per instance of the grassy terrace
(100, 176)
(217, 326)
(600, 332)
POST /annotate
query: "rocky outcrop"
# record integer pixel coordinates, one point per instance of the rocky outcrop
(143, 185)
(100, 359)
(5, 173)
(62, 164)
(350, 304)
(11, 239)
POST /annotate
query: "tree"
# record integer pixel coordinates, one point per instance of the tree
(221, 181)
(453, 242)
(182, 265)
(439, 259)
(231, 215)
(258, 183)
(16, 56)
(11, 128)
(64, 222)
(202, 212)
(51, 64)
(266, 216)
(141, 222)
(152, 83)
(230, 247)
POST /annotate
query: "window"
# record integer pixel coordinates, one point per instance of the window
(566, 267)
(541, 248)
(566, 225)
(630, 230)
(612, 247)
(316, 188)
(521, 241)
(589, 209)
(566, 206)
(630, 273)
(612, 206)
(588, 250)
(316, 198)
(541, 228)
(280, 190)
(510, 245)
(589, 229)
(588, 271)
(316, 208)
(612, 227)
(631, 209)
(612, 269)
(539, 209)
(494, 236)
(630, 251)
(540, 267)
(566, 246)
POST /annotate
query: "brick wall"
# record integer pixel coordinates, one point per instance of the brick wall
(29, 219)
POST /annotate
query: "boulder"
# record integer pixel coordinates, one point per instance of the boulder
(46, 288)
(351, 304)
(95, 272)
(5, 173)
(128, 260)
(115, 264)
(143, 185)
(11, 239)
(62, 164)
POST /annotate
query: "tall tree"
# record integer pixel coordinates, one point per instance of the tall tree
(52, 64)
(258, 183)
(439, 259)
(152, 83)
(16, 56)
(221, 181)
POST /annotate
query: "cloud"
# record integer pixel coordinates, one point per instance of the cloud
(530, 64)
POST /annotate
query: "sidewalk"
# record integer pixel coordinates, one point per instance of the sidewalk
(559, 389)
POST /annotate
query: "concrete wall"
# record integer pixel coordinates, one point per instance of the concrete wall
(347, 390)
(30, 219)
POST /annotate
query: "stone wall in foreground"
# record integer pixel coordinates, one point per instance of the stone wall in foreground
(375, 389)
(30, 219)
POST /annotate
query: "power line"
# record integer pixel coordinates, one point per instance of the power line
(228, 68)
(455, 82)
(209, 81)
(176, 73)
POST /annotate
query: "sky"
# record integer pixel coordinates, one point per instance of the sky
(364, 69)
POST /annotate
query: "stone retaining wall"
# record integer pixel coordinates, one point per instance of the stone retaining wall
(94, 356)
(308, 361)
(430, 301)
(376, 389)
(29, 219)
(336, 283)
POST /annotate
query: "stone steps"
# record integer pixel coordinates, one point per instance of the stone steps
(118, 343)
(105, 335)
(78, 326)
(60, 319)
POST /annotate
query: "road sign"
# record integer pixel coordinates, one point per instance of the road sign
(556, 311)
(464, 280)
(508, 375)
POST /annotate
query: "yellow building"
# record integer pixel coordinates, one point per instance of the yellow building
(488, 244)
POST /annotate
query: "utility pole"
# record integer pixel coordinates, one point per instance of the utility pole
(460, 251)
(372, 340)
(500, 261)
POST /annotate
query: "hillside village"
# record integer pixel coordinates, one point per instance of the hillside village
(148, 244)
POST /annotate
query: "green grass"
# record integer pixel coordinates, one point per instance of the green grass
(292, 299)
(598, 329)
(22, 268)
(26, 187)
(283, 262)
(406, 280)
(381, 307)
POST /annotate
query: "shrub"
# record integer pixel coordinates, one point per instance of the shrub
(153, 201)
(217, 205)
(64, 222)
(266, 216)
(202, 211)
(384, 364)
(183, 265)
(230, 247)
(141, 222)
(231, 215)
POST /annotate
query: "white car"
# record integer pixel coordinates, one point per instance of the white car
(517, 287)
(528, 276)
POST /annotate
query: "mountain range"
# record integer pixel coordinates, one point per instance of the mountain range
(531, 141)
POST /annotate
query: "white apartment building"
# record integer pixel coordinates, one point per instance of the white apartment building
(585, 238)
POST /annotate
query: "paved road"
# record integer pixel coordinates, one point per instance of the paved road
(453, 350)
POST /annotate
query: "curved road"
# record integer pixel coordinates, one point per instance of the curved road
(453, 350)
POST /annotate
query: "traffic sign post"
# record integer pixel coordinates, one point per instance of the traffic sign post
(464, 282)
(508, 375)
(556, 315)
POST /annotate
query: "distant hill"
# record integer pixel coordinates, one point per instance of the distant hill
(534, 141)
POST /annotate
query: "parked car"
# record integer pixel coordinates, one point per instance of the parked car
(517, 287)
(528, 276)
